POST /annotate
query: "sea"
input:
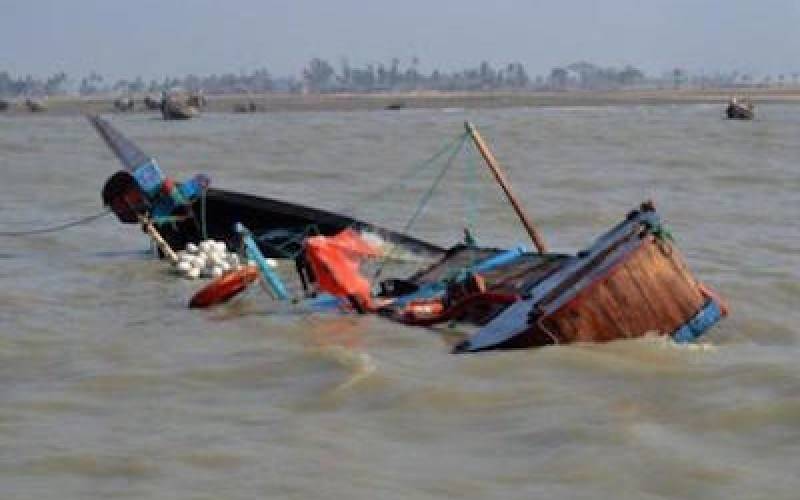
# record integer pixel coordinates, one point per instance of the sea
(110, 387)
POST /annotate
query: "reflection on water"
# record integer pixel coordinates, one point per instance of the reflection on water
(112, 388)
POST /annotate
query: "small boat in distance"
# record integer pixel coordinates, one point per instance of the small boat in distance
(740, 109)
(197, 100)
(175, 108)
(248, 107)
(178, 104)
(123, 104)
(4, 105)
(152, 103)
(35, 105)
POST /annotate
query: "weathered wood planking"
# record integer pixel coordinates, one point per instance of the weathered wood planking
(650, 289)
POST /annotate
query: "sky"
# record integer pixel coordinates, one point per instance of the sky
(154, 38)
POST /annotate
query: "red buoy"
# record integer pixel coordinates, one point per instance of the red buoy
(224, 288)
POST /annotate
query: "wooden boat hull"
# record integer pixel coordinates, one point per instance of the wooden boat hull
(633, 281)
(279, 227)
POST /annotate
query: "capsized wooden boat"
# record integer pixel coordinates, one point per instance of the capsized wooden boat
(190, 211)
(630, 282)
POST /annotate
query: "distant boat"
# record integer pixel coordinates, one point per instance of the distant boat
(248, 107)
(197, 100)
(395, 106)
(740, 110)
(35, 105)
(173, 108)
(152, 103)
(4, 105)
(123, 104)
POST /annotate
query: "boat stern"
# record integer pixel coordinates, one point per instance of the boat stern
(631, 282)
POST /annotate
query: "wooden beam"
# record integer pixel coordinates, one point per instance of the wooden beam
(151, 230)
(538, 241)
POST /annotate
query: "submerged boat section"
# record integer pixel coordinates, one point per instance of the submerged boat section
(632, 281)
(191, 211)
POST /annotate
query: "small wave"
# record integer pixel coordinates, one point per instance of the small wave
(94, 466)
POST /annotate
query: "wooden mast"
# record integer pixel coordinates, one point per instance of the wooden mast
(538, 241)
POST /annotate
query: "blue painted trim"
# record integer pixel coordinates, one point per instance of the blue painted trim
(707, 317)
(325, 302)
(437, 289)
(271, 277)
(183, 194)
(427, 291)
(499, 260)
(149, 177)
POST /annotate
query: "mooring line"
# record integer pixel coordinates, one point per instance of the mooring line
(60, 227)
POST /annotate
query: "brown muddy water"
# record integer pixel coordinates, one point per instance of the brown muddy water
(111, 388)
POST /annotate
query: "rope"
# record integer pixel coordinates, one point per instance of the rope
(429, 193)
(296, 239)
(425, 199)
(404, 179)
(471, 179)
(473, 203)
(60, 227)
(452, 147)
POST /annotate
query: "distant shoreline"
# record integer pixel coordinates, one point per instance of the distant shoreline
(275, 102)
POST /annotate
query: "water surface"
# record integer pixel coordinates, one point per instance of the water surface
(113, 389)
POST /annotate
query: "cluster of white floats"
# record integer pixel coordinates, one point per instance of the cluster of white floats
(209, 259)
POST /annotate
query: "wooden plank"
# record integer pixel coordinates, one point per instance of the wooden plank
(675, 277)
(649, 291)
(656, 286)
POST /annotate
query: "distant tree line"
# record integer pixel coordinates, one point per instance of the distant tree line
(587, 76)
(320, 76)
(29, 85)
(95, 84)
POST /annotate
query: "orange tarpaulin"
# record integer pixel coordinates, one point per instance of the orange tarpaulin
(335, 261)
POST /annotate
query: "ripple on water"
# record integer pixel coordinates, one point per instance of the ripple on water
(93, 466)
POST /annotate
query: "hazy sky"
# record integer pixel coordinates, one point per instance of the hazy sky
(125, 38)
